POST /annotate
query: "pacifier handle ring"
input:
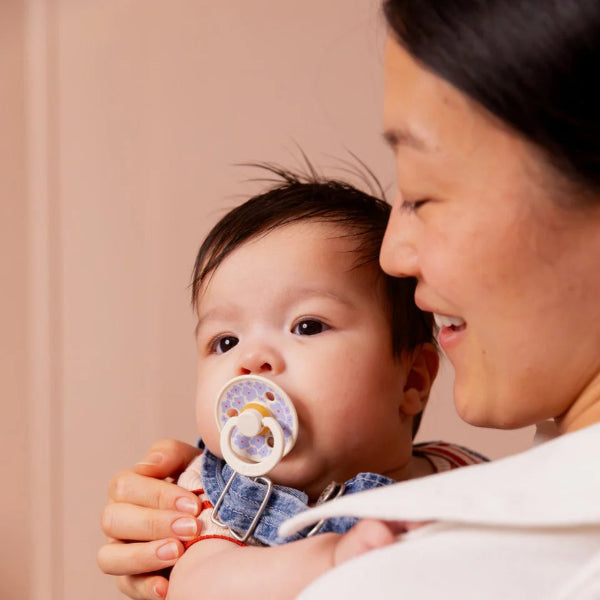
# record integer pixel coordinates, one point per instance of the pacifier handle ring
(247, 468)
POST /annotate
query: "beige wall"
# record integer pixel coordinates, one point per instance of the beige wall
(14, 455)
(120, 124)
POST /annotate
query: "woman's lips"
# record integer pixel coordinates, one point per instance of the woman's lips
(450, 329)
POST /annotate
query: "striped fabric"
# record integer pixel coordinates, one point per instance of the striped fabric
(444, 456)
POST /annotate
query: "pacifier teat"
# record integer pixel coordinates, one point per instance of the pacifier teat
(258, 424)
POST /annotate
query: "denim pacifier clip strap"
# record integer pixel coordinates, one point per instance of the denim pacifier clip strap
(257, 516)
(242, 505)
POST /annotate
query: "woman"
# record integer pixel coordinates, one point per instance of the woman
(492, 112)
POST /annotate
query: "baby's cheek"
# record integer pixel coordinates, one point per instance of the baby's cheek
(211, 438)
(208, 430)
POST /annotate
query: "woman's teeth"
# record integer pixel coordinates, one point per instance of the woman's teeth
(447, 321)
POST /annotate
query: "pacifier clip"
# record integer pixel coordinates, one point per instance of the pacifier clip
(259, 426)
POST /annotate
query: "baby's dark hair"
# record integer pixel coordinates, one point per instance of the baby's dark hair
(298, 197)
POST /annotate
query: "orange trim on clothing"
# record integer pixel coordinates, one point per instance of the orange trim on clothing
(187, 545)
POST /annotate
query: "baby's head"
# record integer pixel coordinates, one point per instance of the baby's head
(288, 286)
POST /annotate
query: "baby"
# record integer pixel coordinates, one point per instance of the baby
(287, 287)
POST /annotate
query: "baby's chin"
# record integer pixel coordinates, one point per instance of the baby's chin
(299, 475)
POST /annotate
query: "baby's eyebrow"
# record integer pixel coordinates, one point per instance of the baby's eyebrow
(222, 312)
(306, 293)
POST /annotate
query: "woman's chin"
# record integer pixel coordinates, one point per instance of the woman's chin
(480, 412)
(474, 410)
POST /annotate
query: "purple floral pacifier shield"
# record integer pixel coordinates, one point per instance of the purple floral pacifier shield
(258, 393)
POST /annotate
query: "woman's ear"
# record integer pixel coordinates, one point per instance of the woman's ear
(423, 367)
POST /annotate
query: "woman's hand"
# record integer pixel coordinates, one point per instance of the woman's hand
(146, 518)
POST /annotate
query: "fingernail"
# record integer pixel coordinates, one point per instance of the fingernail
(168, 551)
(159, 591)
(152, 459)
(185, 526)
(186, 505)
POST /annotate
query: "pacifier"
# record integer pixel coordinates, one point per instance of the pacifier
(258, 424)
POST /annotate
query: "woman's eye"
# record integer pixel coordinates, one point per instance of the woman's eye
(412, 205)
(309, 327)
(223, 344)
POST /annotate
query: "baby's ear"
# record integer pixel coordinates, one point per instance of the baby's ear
(424, 363)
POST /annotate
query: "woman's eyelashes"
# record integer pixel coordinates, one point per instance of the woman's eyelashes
(411, 206)
(309, 326)
(223, 343)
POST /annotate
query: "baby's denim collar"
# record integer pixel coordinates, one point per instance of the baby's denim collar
(242, 502)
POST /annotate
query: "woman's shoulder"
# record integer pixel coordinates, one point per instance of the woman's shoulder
(554, 485)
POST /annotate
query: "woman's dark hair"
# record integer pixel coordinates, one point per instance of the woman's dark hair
(532, 63)
(299, 197)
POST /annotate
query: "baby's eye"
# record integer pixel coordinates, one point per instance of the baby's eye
(309, 327)
(223, 344)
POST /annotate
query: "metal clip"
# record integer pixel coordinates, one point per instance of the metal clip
(243, 538)
(331, 492)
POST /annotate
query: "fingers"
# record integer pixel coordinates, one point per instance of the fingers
(364, 536)
(143, 587)
(130, 488)
(142, 506)
(117, 558)
(129, 522)
(166, 458)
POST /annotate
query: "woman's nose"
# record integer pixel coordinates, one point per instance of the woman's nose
(259, 359)
(398, 255)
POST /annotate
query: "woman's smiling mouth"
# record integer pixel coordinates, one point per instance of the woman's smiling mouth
(450, 329)
(455, 323)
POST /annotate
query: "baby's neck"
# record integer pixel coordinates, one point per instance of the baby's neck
(416, 467)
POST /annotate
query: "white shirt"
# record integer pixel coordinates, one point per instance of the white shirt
(526, 526)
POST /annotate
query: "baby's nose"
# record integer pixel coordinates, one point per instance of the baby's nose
(260, 360)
